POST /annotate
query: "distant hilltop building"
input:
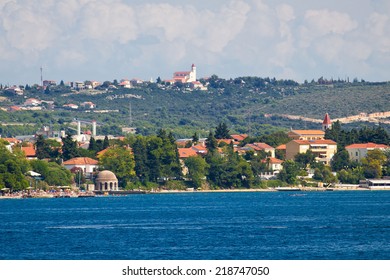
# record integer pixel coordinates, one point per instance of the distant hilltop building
(185, 76)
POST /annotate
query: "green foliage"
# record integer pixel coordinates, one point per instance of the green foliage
(197, 170)
(373, 162)
(69, 148)
(120, 161)
(289, 172)
(222, 132)
(53, 174)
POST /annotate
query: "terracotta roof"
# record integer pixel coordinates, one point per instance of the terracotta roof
(186, 152)
(327, 119)
(308, 132)
(281, 147)
(259, 146)
(199, 148)
(12, 140)
(273, 160)
(29, 151)
(81, 161)
(227, 141)
(239, 137)
(367, 146)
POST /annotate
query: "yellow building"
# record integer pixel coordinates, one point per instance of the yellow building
(323, 149)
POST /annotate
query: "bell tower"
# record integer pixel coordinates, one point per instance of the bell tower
(327, 123)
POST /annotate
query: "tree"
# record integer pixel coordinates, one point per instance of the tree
(340, 160)
(42, 148)
(195, 138)
(120, 161)
(69, 148)
(92, 145)
(211, 143)
(373, 162)
(222, 132)
(106, 143)
(289, 172)
(140, 157)
(305, 159)
(197, 169)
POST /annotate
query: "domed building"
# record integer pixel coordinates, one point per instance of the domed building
(106, 181)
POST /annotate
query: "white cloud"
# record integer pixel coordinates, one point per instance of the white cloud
(322, 22)
(108, 21)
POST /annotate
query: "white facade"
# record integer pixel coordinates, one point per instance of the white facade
(358, 151)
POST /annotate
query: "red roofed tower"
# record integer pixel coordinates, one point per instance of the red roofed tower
(327, 123)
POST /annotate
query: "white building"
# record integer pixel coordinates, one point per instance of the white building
(358, 151)
(185, 76)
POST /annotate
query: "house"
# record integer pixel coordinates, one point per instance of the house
(88, 105)
(185, 76)
(77, 85)
(197, 85)
(239, 137)
(306, 134)
(88, 165)
(70, 106)
(323, 149)
(47, 83)
(257, 147)
(273, 164)
(186, 153)
(358, 151)
(125, 84)
(29, 151)
(15, 90)
(32, 102)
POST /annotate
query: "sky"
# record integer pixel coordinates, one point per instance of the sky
(103, 40)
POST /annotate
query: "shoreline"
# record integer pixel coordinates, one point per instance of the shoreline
(284, 189)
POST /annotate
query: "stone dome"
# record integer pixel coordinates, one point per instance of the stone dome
(106, 175)
(106, 181)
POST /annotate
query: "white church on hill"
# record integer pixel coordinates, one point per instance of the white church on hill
(185, 76)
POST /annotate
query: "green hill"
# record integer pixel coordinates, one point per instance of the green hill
(241, 103)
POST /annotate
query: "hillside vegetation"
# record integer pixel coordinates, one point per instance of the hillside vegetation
(241, 103)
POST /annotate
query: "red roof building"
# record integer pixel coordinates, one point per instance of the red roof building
(327, 123)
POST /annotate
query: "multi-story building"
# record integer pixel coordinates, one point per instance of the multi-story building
(358, 151)
(323, 149)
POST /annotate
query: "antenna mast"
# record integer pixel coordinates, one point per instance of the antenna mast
(41, 76)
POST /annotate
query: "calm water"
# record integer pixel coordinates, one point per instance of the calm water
(281, 225)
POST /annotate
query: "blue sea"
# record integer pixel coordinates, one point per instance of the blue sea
(349, 225)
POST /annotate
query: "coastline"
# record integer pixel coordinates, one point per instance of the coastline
(284, 189)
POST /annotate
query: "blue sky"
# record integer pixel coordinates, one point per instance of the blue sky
(114, 39)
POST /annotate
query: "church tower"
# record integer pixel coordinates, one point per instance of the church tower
(327, 123)
(192, 77)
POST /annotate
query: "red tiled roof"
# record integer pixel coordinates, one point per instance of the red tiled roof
(81, 161)
(12, 140)
(199, 148)
(227, 141)
(29, 151)
(186, 152)
(281, 147)
(273, 160)
(327, 119)
(367, 146)
(239, 137)
(259, 146)
(308, 132)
